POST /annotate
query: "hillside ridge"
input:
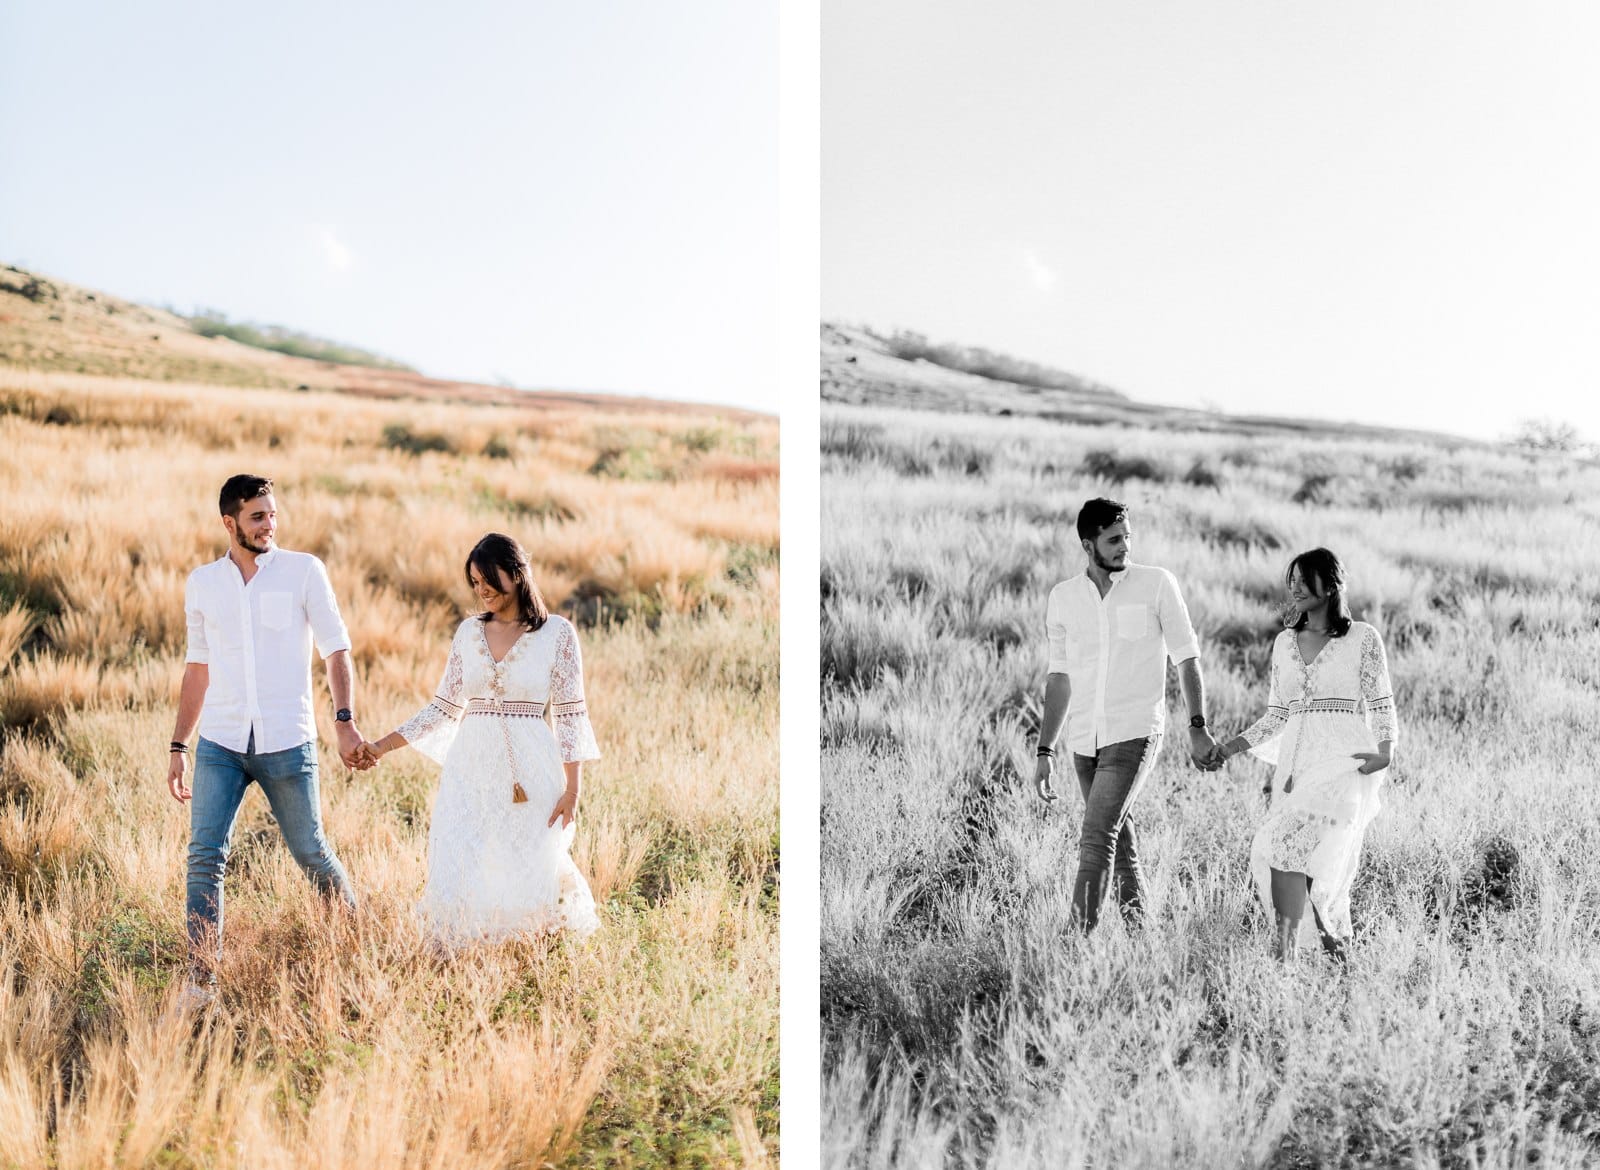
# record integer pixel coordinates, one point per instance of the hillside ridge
(53, 325)
(860, 366)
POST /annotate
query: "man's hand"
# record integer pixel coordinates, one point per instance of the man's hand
(1043, 778)
(1204, 750)
(177, 778)
(350, 747)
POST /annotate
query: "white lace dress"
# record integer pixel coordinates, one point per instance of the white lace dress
(495, 867)
(1317, 718)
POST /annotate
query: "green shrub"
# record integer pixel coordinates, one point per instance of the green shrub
(210, 323)
(400, 437)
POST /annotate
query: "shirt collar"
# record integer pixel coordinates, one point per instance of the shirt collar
(262, 559)
(1115, 576)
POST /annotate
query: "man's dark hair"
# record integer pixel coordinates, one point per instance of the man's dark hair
(497, 551)
(1097, 515)
(240, 488)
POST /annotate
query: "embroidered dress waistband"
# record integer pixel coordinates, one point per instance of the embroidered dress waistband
(1347, 706)
(505, 707)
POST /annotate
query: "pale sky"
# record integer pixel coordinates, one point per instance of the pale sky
(563, 195)
(1366, 210)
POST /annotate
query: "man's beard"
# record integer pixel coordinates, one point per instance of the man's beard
(254, 549)
(1104, 564)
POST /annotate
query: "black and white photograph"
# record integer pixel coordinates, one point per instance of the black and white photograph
(1210, 541)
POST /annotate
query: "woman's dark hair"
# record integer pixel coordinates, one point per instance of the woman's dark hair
(1320, 567)
(499, 555)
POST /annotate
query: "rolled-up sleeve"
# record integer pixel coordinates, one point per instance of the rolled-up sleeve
(195, 619)
(322, 610)
(1176, 628)
(1055, 629)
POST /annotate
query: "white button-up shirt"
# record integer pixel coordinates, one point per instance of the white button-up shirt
(255, 640)
(1114, 651)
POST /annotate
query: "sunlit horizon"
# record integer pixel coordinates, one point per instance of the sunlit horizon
(1368, 212)
(537, 195)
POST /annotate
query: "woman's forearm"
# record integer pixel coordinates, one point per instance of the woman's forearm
(574, 773)
(389, 743)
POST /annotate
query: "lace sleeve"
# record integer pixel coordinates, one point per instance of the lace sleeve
(433, 729)
(573, 731)
(1260, 734)
(1376, 691)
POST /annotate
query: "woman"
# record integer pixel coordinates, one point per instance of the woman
(1328, 679)
(497, 849)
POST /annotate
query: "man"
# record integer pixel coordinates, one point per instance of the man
(1111, 629)
(252, 615)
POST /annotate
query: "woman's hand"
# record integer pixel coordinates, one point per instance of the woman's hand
(566, 809)
(1371, 762)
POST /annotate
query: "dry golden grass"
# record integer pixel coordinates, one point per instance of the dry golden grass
(337, 1040)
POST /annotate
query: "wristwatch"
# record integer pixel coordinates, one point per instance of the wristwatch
(1198, 722)
(343, 715)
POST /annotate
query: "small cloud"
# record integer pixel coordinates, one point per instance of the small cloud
(334, 251)
(1043, 276)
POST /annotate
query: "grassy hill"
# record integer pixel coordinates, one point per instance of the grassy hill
(965, 1021)
(866, 368)
(281, 339)
(343, 1043)
(52, 326)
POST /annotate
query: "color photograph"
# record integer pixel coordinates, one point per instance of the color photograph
(389, 423)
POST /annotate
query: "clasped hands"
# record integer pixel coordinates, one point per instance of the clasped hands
(357, 753)
(1205, 750)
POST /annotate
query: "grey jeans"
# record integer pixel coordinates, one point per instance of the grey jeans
(1110, 781)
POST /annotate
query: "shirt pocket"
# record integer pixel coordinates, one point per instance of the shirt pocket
(276, 610)
(1133, 621)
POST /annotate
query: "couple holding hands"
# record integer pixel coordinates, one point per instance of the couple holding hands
(1112, 628)
(503, 822)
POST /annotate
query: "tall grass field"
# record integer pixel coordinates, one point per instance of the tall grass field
(340, 1041)
(966, 1022)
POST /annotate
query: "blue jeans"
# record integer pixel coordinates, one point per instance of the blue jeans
(1110, 781)
(289, 780)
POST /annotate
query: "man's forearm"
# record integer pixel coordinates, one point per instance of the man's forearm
(1193, 685)
(341, 679)
(1057, 690)
(191, 698)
